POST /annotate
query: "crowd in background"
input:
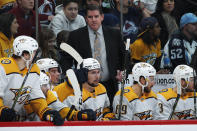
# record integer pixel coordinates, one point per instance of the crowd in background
(162, 33)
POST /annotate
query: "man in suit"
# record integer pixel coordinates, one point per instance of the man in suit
(111, 48)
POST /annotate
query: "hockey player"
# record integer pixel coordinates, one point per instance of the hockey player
(183, 76)
(51, 68)
(13, 71)
(139, 101)
(94, 95)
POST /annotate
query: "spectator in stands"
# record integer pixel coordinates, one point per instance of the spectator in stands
(46, 7)
(47, 43)
(182, 45)
(25, 16)
(148, 5)
(8, 28)
(6, 5)
(67, 18)
(132, 16)
(168, 19)
(147, 48)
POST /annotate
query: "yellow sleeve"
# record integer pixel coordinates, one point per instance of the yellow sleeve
(50, 98)
(107, 114)
(39, 106)
(28, 108)
(136, 50)
(159, 49)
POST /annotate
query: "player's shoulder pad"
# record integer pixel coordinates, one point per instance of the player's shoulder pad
(100, 89)
(63, 90)
(168, 93)
(9, 65)
(151, 95)
(129, 94)
(35, 69)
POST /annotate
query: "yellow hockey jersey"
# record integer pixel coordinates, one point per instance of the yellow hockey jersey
(166, 100)
(6, 46)
(97, 101)
(11, 80)
(133, 107)
(140, 51)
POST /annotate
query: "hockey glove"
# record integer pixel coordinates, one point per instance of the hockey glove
(8, 114)
(86, 115)
(82, 75)
(53, 116)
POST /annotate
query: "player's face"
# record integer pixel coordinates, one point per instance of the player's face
(14, 27)
(54, 75)
(26, 4)
(94, 77)
(188, 84)
(168, 5)
(71, 11)
(94, 19)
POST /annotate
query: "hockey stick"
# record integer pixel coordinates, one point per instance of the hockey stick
(74, 82)
(71, 51)
(123, 80)
(25, 79)
(177, 100)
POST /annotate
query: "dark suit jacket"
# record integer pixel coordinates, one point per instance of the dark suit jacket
(79, 39)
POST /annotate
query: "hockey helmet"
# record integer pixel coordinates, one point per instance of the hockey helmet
(183, 72)
(91, 64)
(143, 69)
(46, 63)
(24, 43)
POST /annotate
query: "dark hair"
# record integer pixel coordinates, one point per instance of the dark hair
(45, 35)
(62, 36)
(146, 25)
(5, 24)
(66, 2)
(93, 8)
(159, 8)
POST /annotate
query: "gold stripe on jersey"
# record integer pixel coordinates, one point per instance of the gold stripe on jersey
(99, 90)
(64, 112)
(39, 106)
(28, 108)
(50, 98)
(128, 94)
(148, 95)
(1, 102)
(168, 94)
(63, 91)
(10, 66)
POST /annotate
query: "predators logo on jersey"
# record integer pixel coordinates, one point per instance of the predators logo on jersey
(6, 61)
(23, 96)
(146, 115)
(186, 114)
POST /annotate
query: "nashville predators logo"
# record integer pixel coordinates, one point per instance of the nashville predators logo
(186, 114)
(146, 115)
(6, 61)
(23, 96)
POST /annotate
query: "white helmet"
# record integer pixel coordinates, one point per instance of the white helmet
(46, 63)
(44, 79)
(143, 69)
(25, 43)
(182, 72)
(91, 64)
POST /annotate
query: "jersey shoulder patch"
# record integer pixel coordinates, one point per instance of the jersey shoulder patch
(168, 93)
(129, 94)
(6, 61)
